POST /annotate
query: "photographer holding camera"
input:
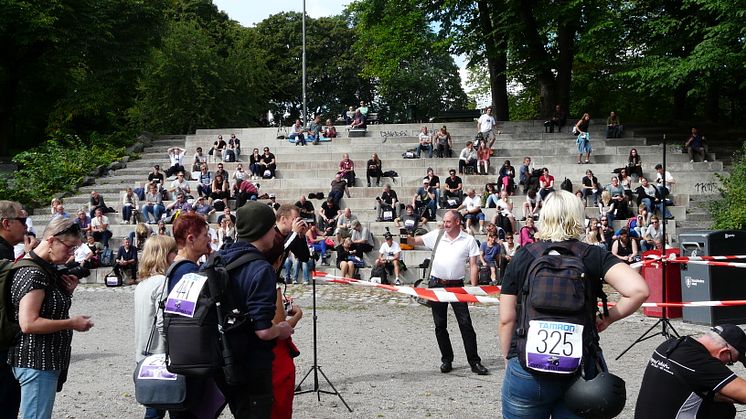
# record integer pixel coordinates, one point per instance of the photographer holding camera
(41, 298)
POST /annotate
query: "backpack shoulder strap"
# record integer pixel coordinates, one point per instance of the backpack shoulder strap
(29, 263)
(173, 267)
(243, 259)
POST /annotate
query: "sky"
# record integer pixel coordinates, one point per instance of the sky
(251, 12)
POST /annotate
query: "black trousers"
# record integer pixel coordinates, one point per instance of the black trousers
(440, 318)
(252, 400)
(10, 390)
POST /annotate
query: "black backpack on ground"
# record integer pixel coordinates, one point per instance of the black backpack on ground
(380, 272)
(556, 302)
(566, 185)
(203, 345)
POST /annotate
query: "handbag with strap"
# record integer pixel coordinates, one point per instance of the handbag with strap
(155, 386)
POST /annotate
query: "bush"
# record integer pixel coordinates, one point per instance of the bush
(729, 212)
(57, 165)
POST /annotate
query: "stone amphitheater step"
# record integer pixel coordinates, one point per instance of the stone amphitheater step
(309, 169)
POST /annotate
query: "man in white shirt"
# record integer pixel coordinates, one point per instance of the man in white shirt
(485, 124)
(467, 158)
(670, 181)
(176, 156)
(652, 237)
(388, 256)
(471, 209)
(453, 248)
(100, 228)
(426, 143)
(180, 186)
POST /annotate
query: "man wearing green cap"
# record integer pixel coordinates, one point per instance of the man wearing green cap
(254, 287)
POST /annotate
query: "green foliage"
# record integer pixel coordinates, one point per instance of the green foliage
(729, 212)
(333, 69)
(55, 166)
(402, 54)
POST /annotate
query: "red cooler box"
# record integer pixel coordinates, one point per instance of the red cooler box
(653, 274)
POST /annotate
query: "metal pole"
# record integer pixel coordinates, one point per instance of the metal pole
(305, 114)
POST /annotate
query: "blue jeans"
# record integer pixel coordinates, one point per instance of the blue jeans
(320, 247)
(292, 269)
(155, 210)
(525, 395)
(667, 212)
(492, 201)
(38, 389)
(428, 147)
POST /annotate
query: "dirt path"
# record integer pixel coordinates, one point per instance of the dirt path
(378, 349)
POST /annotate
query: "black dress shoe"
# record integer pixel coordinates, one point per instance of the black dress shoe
(446, 367)
(478, 368)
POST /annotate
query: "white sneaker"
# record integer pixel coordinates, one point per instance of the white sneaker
(397, 282)
(705, 160)
(691, 161)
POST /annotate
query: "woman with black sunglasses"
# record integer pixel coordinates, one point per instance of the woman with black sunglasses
(41, 297)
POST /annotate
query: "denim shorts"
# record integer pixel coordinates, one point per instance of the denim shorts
(528, 395)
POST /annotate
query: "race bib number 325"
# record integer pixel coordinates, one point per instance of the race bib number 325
(554, 347)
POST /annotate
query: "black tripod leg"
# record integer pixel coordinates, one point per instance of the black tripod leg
(335, 390)
(297, 387)
(642, 338)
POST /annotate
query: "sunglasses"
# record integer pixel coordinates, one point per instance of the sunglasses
(22, 220)
(72, 230)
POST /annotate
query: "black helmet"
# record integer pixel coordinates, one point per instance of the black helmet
(601, 397)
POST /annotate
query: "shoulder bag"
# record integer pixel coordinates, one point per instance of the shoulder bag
(155, 386)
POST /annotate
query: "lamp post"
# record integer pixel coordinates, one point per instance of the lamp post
(305, 113)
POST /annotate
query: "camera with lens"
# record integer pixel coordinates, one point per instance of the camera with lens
(78, 271)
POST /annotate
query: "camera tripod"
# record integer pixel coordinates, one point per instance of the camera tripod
(667, 329)
(316, 368)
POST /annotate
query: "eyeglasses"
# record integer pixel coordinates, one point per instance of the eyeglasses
(22, 220)
(68, 246)
(655, 221)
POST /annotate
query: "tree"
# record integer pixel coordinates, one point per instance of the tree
(332, 67)
(182, 84)
(401, 53)
(70, 65)
(478, 30)
(729, 212)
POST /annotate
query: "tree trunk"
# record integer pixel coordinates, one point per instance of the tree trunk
(496, 49)
(537, 53)
(566, 30)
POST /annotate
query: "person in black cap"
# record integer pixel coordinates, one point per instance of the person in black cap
(688, 378)
(256, 295)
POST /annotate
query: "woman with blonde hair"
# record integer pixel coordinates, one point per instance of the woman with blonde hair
(157, 255)
(606, 206)
(562, 223)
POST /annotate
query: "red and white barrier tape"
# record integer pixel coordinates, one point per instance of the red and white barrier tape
(438, 295)
(727, 303)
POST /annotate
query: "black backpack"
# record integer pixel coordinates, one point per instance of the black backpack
(380, 272)
(201, 345)
(566, 185)
(556, 302)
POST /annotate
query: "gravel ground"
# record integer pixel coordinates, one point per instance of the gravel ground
(377, 348)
